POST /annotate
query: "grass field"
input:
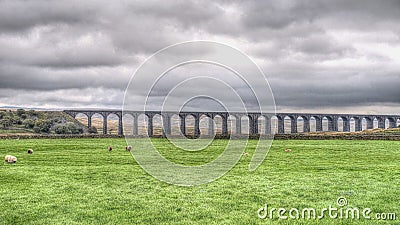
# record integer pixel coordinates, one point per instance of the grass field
(77, 181)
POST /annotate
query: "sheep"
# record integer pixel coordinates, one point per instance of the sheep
(109, 148)
(30, 151)
(288, 150)
(128, 148)
(10, 159)
(245, 154)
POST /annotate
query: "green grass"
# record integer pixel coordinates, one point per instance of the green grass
(77, 181)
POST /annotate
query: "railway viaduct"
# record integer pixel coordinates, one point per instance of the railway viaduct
(253, 118)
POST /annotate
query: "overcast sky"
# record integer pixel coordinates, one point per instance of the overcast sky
(319, 56)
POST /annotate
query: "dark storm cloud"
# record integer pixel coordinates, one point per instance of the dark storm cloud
(28, 78)
(316, 54)
(339, 93)
(358, 14)
(16, 16)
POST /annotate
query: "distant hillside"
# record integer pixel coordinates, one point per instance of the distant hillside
(20, 121)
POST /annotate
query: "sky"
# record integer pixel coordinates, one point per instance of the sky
(318, 56)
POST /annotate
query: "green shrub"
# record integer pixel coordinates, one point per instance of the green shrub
(28, 123)
(20, 112)
(16, 120)
(43, 126)
(23, 116)
(61, 129)
(69, 128)
(74, 129)
(32, 113)
(6, 121)
(36, 129)
(92, 130)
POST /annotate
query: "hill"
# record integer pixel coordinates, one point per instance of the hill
(26, 122)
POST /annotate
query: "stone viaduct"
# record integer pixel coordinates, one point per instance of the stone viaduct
(332, 120)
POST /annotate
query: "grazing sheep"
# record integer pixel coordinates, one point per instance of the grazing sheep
(128, 148)
(109, 148)
(10, 159)
(30, 151)
(245, 154)
(288, 150)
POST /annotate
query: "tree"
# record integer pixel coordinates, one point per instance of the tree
(20, 112)
(16, 120)
(2, 114)
(92, 130)
(74, 129)
(5, 122)
(61, 129)
(32, 113)
(43, 125)
(23, 116)
(36, 129)
(69, 128)
(28, 123)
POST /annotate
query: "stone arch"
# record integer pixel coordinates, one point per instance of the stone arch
(97, 122)
(217, 124)
(83, 118)
(379, 122)
(189, 124)
(277, 124)
(390, 122)
(261, 121)
(355, 124)
(343, 124)
(303, 124)
(143, 121)
(112, 123)
(175, 125)
(290, 124)
(375, 121)
(340, 122)
(204, 123)
(363, 123)
(299, 124)
(127, 123)
(367, 123)
(313, 124)
(157, 124)
(232, 124)
(327, 123)
(318, 123)
(352, 124)
(245, 124)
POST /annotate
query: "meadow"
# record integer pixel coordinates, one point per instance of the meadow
(78, 181)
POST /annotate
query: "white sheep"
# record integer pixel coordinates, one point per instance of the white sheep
(10, 159)
(128, 148)
(288, 150)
